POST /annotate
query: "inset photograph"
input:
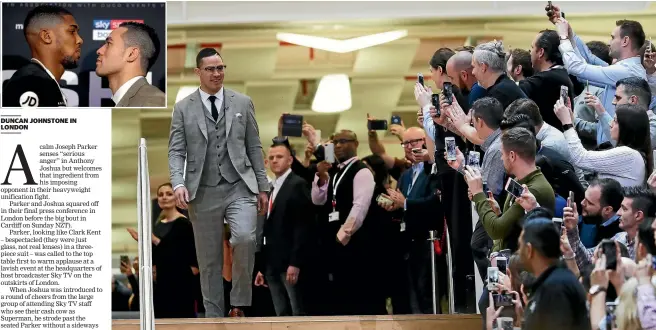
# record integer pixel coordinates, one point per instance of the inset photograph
(86, 55)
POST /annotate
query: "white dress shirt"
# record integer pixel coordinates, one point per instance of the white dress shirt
(120, 92)
(277, 184)
(205, 97)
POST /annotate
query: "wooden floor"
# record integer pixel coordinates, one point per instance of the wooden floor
(384, 322)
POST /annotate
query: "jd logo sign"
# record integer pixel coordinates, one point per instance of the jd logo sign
(29, 100)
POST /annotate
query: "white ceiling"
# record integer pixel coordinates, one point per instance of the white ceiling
(213, 12)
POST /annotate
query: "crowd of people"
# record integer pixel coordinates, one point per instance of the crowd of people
(550, 149)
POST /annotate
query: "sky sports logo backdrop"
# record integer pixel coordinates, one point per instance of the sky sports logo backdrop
(96, 21)
(103, 27)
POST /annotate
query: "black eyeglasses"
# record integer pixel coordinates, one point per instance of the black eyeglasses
(411, 142)
(218, 68)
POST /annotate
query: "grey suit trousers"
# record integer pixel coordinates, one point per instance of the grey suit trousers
(235, 203)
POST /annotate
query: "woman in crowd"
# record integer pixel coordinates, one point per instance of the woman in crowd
(630, 161)
(174, 255)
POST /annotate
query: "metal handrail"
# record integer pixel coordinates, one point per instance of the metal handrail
(146, 310)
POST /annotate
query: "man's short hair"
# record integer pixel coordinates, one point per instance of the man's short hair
(489, 110)
(633, 30)
(601, 50)
(638, 87)
(440, 58)
(518, 120)
(205, 52)
(492, 54)
(521, 141)
(145, 39)
(646, 235)
(43, 16)
(523, 58)
(643, 199)
(525, 107)
(543, 237)
(538, 212)
(549, 41)
(285, 145)
(612, 192)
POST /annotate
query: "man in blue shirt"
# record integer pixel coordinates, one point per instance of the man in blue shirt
(627, 40)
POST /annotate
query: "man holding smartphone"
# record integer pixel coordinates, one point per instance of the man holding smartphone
(518, 155)
(627, 39)
(348, 194)
(414, 199)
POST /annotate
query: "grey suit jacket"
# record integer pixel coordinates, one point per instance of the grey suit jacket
(142, 94)
(188, 142)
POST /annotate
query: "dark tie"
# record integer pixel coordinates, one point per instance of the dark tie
(215, 111)
(270, 200)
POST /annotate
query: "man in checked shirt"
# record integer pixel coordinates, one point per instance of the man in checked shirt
(638, 203)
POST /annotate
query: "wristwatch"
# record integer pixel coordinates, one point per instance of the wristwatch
(564, 37)
(596, 289)
(567, 126)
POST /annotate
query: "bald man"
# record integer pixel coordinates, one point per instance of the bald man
(459, 69)
(52, 35)
(418, 206)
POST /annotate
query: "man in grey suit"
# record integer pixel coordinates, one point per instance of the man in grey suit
(215, 132)
(125, 58)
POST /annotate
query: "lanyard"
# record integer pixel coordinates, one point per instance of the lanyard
(336, 184)
(53, 78)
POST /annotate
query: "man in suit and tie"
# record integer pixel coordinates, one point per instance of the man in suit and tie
(215, 132)
(418, 205)
(125, 58)
(286, 234)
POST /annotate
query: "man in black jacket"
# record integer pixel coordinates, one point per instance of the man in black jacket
(557, 298)
(418, 206)
(544, 86)
(52, 34)
(286, 234)
(489, 62)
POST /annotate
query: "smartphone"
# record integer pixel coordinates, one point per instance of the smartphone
(514, 188)
(502, 264)
(609, 249)
(505, 323)
(125, 259)
(417, 151)
(587, 86)
(435, 101)
(648, 49)
(564, 94)
(571, 199)
(450, 143)
(611, 320)
(474, 159)
(558, 223)
(420, 79)
(329, 152)
(377, 125)
(448, 92)
(384, 200)
(292, 125)
(396, 120)
(492, 278)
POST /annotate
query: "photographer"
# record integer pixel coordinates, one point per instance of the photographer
(518, 154)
